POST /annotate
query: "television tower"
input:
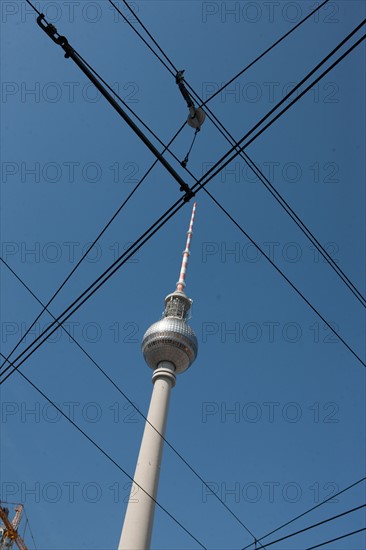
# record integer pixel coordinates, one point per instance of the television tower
(169, 347)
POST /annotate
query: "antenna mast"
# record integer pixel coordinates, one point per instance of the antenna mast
(186, 253)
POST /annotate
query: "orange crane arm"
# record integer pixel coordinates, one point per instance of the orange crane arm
(10, 532)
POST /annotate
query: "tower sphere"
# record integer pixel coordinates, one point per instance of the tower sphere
(171, 338)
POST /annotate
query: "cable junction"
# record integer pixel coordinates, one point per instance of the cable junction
(62, 41)
(206, 182)
(198, 186)
(315, 525)
(309, 510)
(278, 197)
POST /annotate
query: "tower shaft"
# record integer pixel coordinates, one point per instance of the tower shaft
(169, 346)
(138, 523)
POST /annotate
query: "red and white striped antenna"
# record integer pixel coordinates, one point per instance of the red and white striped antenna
(183, 270)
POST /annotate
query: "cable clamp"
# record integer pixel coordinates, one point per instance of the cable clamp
(51, 31)
(189, 195)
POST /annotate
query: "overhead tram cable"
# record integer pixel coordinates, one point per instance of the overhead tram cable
(89, 248)
(300, 531)
(240, 73)
(337, 538)
(175, 71)
(112, 91)
(259, 174)
(216, 169)
(278, 197)
(284, 204)
(62, 41)
(287, 208)
(199, 185)
(108, 456)
(354, 484)
(166, 148)
(212, 171)
(125, 396)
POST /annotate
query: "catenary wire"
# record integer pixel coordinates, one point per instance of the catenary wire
(247, 66)
(337, 538)
(201, 184)
(238, 152)
(33, 6)
(295, 533)
(275, 118)
(285, 277)
(310, 510)
(30, 4)
(107, 455)
(115, 385)
(101, 233)
(285, 98)
(142, 38)
(288, 209)
(166, 148)
(264, 53)
(278, 197)
(214, 170)
(76, 304)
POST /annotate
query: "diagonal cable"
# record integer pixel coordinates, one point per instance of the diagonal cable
(201, 184)
(97, 238)
(107, 455)
(124, 395)
(278, 197)
(337, 538)
(315, 525)
(310, 510)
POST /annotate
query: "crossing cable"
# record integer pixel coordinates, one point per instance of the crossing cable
(309, 510)
(100, 281)
(97, 238)
(284, 204)
(62, 41)
(236, 76)
(315, 525)
(240, 73)
(285, 277)
(212, 172)
(107, 455)
(259, 174)
(199, 185)
(278, 197)
(264, 118)
(117, 212)
(337, 62)
(338, 538)
(115, 385)
(288, 95)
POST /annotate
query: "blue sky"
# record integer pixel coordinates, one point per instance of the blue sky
(272, 412)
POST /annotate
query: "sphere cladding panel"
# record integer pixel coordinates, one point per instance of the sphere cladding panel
(170, 339)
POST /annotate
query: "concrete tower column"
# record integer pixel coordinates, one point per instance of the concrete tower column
(169, 347)
(138, 523)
